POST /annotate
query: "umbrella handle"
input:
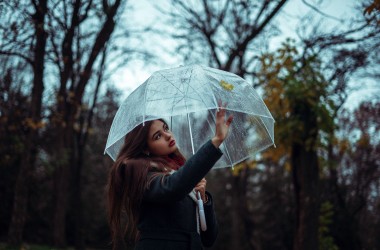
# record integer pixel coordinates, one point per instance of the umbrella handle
(202, 216)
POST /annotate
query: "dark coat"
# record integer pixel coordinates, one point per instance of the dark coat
(168, 215)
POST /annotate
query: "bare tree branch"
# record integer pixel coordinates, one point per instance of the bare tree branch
(22, 56)
(103, 36)
(320, 12)
(254, 32)
(85, 15)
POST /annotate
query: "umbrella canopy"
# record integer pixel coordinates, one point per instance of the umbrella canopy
(187, 98)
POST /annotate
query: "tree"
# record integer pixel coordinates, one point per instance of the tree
(221, 33)
(296, 93)
(355, 178)
(37, 42)
(75, 51)
(14, 108)
(96, 167)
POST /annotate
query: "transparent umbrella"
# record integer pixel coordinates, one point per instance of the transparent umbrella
(187, 98)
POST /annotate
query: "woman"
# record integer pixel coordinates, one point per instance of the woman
(149, 186)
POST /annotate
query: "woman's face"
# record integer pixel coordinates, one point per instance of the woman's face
(160, 139)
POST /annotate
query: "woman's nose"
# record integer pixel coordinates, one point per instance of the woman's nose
(168, 135)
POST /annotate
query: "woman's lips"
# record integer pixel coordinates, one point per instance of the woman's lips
(172, 143)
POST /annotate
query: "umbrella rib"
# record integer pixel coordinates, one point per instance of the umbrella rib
(170, 82)
(178, 91)
(174, 104)
(191, 133)
(163, 92)
(188, 117)
(145, 95)
(266, 129)
(173, 97)
(216, 103)
(249, 113)
(210, 89)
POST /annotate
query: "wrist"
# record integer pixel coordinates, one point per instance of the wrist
(216, 142)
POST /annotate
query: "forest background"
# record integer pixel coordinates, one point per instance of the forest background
(61, 60)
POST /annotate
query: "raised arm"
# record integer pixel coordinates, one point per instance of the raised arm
(176, 186)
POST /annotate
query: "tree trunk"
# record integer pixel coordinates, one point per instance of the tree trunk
(77, 201)
(248, 224)
(19, 213)
(81, 141)
(305, 166)
(236, 220)
(242, 226)
(62, 180)
(305, 173)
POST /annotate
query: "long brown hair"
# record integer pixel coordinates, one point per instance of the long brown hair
(128, 180)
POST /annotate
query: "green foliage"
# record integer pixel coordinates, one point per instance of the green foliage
(326, 242)
(297, 94)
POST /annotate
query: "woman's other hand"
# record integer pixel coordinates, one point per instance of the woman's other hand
(201, 188)
(221, 125)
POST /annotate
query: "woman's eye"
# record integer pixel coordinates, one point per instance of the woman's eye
(157, 137)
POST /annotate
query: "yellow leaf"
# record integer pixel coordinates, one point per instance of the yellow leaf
(238, 168)
(226, 85)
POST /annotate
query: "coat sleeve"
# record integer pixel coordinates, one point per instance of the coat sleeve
(171, 188)
(208, 237)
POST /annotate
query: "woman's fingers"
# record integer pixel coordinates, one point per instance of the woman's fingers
(229, 120)
(202, 191)
(201, 188)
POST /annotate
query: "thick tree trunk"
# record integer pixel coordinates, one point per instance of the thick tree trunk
(305, 166)
(305, 173)
(19, 213)
(81, 141)
(62, 180)
(59, 220)
(345, 225)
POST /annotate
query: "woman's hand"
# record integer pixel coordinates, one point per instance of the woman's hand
(201, 187)
(221, 125)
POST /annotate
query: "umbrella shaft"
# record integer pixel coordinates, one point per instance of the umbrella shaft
(191, 134)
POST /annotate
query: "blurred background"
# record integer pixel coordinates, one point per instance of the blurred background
(67, 65)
